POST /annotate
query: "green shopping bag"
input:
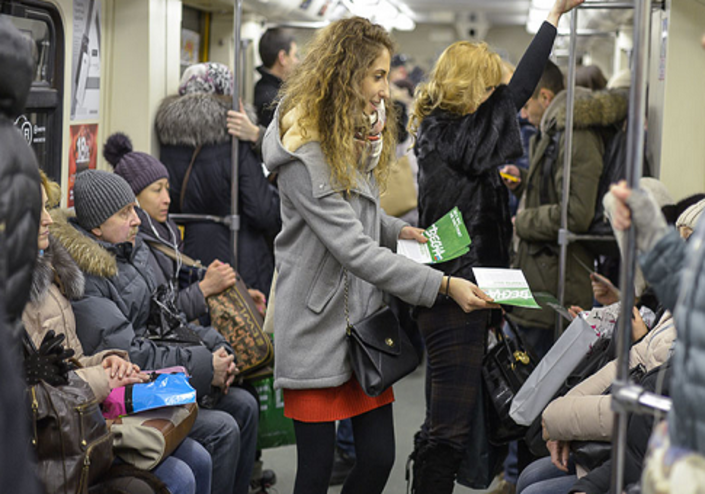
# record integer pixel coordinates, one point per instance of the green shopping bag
(274, 428)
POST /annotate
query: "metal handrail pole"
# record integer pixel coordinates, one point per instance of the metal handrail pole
(192, 218)
(234, 184)
(606, 5)
(567, 161)
(635, 159)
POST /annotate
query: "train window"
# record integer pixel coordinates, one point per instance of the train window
(41, 124)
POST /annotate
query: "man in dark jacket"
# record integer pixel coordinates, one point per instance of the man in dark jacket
(279, 54)
(19, 223)
(540, 189)
(115, 313)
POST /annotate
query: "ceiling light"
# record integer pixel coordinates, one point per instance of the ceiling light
(404, 23)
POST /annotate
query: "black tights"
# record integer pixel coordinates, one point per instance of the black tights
(374, 449)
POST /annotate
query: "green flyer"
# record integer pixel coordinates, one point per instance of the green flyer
(447, 239)
(505, 286)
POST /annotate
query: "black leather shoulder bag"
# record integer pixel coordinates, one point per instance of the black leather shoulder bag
(380, 352)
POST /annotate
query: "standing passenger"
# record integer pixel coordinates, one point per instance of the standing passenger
(279, 55)
(330, 146)
(467, 126)
(192, 132)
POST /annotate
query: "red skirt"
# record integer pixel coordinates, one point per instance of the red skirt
(329, 404)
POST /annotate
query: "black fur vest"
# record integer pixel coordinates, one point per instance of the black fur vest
(458, 160)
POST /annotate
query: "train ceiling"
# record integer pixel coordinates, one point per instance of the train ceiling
(468, 16)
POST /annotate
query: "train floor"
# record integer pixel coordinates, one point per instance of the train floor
(408, 415)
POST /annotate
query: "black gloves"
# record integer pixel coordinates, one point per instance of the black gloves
(50, 362)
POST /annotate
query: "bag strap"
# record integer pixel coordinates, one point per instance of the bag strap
(186, 178)
(171, 254)
(347, 307)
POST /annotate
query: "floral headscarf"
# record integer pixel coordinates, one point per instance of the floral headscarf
(208, 77)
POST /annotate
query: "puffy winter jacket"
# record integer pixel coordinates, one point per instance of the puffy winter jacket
(57, 279)
(114, 310)
(20, 204)
(676, 270)
(585, 413)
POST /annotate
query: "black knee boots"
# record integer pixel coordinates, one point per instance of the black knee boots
(413, 463)
(437, 468)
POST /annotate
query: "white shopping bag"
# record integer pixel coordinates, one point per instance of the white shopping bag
(552, 371)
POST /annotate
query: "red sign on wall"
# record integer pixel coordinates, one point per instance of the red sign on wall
(83, 153)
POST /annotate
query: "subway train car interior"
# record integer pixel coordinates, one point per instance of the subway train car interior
(352, 246)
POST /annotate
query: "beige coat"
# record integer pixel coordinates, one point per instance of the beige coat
(585, 413)
(50, 309)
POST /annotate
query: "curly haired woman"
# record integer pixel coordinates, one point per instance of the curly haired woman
(466, 126)
(332, 150)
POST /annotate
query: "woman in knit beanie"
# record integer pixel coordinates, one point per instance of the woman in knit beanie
(149, 180)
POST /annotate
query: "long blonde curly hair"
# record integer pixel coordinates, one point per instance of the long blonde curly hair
(458, 82)
(325, 90)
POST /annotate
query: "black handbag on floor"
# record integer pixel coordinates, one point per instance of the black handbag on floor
(505, 368)
(381, 353)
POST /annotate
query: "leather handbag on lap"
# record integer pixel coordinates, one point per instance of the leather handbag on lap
(381, 353)
(235, 316)
(74, 446)
(144, 439)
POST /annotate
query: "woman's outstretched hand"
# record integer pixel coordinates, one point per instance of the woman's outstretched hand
(467, 295)
(560, 8)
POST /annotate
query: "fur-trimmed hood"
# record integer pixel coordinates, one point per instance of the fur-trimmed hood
(91, 256)
(196, 119)
(56, 263)
(592, 109)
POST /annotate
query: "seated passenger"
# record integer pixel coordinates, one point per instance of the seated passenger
(149, 180)
(115, 308)
(55, 280)
(192, 132)
(676, 272)
(585, 413)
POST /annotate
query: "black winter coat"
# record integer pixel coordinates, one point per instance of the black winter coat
(266, 91)
(459, 156)
(185, 122)
(20, 203)
(458, 159)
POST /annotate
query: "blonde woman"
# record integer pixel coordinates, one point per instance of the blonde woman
(330, 145)
(466, 126)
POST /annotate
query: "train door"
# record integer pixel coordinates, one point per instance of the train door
(42, 122)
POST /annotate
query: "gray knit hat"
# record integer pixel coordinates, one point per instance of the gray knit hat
(97, 195)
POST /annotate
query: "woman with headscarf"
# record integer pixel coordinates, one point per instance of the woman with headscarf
(196, 149)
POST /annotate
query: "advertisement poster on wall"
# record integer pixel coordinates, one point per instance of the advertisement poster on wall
(83, 153)
(85, 68)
